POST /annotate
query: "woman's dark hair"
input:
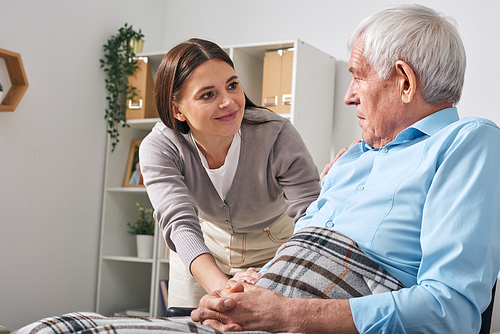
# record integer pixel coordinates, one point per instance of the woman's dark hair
(174, 70)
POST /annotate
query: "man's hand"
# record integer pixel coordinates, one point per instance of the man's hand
(243, 307)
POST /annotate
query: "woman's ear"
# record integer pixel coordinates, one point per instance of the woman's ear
(407, 81)
(177, 113)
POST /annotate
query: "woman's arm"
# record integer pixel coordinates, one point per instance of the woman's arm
(207, 273)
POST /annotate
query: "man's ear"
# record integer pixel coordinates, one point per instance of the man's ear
(407, 81)
(177, 113)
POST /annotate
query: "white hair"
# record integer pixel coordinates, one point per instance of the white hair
(424, 39)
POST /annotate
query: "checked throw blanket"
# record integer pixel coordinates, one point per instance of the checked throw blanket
(93, 323)
(320, 263)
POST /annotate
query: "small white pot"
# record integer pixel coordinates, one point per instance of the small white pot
(1, 97)
(144, 246)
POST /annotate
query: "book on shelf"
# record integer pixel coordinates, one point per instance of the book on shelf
(137, 312)
(164, 293)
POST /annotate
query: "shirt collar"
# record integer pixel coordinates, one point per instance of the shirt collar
(437, 121)
(429, 126)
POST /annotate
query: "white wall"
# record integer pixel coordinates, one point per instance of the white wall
(52, 147)
(52, 150)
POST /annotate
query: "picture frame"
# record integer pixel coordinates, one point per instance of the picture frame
(133, 176)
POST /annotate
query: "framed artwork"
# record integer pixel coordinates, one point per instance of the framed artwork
(133, 177)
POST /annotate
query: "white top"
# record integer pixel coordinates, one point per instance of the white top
(222, 177)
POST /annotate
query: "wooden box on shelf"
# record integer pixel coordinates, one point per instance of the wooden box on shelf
(143, 105)
(277, 80)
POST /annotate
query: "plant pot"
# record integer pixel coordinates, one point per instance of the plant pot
(1, 97)
(136, 45)
(144, 246)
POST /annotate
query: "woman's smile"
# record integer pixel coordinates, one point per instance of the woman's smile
(228, 117)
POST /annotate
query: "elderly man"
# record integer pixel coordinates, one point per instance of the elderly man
(419, 196)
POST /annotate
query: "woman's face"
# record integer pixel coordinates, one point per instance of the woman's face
(212, 101)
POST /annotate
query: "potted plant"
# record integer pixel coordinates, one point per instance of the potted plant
(118, 64)
(144, 229)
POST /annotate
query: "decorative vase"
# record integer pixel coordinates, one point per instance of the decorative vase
(144, 246)
(1, 97)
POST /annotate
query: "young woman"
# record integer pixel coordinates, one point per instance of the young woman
(227, 179)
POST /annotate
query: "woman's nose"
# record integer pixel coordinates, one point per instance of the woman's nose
(226, 101)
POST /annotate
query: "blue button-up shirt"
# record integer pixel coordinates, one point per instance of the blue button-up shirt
(427, 208)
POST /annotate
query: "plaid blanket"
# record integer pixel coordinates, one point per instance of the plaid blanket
(320, 263)
(93, 323)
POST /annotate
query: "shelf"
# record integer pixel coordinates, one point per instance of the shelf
(133, 190)
(17, 78)
(127, 259)
(143, 124)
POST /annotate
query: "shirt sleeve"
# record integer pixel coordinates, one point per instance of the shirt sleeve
(459, 240)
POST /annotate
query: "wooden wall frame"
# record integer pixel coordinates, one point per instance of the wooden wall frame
(17, 78)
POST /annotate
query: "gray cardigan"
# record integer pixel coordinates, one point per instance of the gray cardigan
(275, 174)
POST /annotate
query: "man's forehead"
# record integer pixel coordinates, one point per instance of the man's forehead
(356, 61)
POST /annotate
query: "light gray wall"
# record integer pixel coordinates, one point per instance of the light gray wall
(52, 147)
(52, 150)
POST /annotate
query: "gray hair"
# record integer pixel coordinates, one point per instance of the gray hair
(421, 37)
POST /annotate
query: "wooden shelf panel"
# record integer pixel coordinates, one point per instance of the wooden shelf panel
(17, 78)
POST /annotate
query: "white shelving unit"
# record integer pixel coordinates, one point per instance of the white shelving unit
(126, 281)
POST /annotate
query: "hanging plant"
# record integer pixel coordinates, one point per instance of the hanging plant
(118, 64)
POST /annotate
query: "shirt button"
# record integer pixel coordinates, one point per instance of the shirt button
(224, 207)
(361, 188)
(227, 221)
(384, 150)
(329, 224)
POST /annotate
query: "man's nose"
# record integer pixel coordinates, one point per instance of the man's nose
(351, 97)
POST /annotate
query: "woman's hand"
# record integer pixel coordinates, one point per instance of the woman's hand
(250, 276)
(339, 154)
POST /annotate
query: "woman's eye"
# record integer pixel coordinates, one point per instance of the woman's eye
(207, 95)
(233, 85)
